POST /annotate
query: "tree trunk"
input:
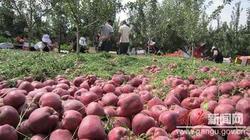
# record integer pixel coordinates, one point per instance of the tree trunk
(60, 40)
(77, 39)
(29, 36)
(30, 25)
(192, 50)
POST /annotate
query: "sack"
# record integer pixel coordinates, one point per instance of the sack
(6, 46)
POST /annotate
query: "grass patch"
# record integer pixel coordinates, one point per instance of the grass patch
(18, 64)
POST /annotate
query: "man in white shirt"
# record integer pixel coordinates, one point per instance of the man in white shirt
(83, 44)
(124, 33)
(83, 41)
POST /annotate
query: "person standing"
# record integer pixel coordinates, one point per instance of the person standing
(124, 33)
(83, 44)
(106, 33)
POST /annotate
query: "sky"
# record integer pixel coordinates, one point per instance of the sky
(225, 14)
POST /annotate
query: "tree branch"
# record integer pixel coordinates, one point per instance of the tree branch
(18, 10)
(44, 13)
(76, 18)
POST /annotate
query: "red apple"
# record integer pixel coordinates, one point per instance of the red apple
(91, 128)
(118, 133)
(129, 105)
(198, 117)
(169, 120)
(141, 123)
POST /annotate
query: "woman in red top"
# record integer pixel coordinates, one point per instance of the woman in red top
(198, 52)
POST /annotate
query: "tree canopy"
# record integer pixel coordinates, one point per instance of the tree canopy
(173, 24)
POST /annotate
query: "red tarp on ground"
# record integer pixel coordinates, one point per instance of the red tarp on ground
(178, 53)
(197, 53)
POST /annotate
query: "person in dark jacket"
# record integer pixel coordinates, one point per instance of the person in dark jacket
(216, 55)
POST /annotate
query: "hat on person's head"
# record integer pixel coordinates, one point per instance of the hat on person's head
(46, 38)
(213, 47)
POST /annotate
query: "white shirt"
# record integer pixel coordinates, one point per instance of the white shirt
(216, 52)
(83, 41)
(151, 43)
(124, 30)
(39, 46)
